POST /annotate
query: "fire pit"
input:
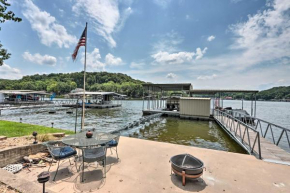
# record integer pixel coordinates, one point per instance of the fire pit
(186, 166)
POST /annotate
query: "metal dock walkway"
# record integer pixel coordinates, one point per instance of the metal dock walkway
(252, 137)
(97, 106)
(155, 111)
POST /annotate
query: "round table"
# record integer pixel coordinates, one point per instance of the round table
(80, 140)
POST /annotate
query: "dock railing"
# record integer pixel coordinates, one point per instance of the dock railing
(269, 131)
(243, 133)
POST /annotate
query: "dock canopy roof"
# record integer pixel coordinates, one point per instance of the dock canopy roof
(168, 87)
(214, 91)
(95, 93)
(24, 92)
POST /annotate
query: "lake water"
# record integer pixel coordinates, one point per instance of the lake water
(206, 134)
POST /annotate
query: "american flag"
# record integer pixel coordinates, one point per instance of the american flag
(82, 42)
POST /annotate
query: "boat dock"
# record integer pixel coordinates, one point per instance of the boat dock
(251, 137)
(97, 106)
(164, 112)
(264, 140)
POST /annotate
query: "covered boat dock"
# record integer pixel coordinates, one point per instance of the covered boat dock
(218, 96)
(95, 100)
(156, 98)
(21, 96)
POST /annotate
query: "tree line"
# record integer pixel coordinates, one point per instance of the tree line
(275, 93)
(63, 83)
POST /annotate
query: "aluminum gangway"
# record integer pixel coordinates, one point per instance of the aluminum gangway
(265, 140)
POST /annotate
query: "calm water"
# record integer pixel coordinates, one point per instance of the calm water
(274, 112)
(205, 134)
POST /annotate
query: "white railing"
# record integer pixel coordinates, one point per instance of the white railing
(245, 134)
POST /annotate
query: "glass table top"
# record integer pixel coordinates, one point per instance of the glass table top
(81, 140)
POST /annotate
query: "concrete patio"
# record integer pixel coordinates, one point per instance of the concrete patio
(144, 167)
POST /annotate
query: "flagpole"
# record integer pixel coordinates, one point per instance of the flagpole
(84, 92)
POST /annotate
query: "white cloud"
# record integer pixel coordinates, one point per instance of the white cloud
(137, 65)
(124, 16)
(178, 57)
(168, 42)
(94, 60)
(7, 72)
(61, 12)
(259, 57)
(162, 3)
(39, 59)
(112, 60)
(166, 51)
(265, 36)
(171, 75)
(210, 38)
(104, 15)
(207, 77)
(175, 58)
(199, 53)
(46, 26)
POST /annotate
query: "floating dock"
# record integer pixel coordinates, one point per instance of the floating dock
(164, 112)
(97, 106)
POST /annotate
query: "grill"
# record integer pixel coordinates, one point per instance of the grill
(186, 166)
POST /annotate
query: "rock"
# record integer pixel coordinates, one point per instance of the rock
(27, 159)
(37, 157)
(48, 160)
(58, 134)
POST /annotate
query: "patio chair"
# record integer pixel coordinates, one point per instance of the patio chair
(113, 144)
(96, 154)
(59, 152)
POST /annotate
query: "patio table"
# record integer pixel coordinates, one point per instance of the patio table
(80, 140)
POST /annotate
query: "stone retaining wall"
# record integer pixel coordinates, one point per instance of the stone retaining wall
(15, 154)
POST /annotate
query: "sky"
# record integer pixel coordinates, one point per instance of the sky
(225, 44)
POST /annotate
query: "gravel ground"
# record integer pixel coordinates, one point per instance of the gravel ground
(6, 189)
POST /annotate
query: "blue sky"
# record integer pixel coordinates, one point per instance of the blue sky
(241, 44)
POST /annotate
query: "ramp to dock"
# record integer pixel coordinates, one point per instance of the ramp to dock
(251, 139)
(164, 112)
(96, 106)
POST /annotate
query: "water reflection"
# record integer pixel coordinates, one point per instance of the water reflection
(205, 134)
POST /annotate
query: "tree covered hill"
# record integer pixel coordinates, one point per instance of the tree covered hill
(62, 83)
(281, 92)
(275, 93)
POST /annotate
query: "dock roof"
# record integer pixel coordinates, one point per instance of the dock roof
(214, 91)
(168, 87)
(94, 93)
(23, 92)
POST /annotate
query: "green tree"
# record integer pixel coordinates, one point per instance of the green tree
(53, 87)
(6, 16)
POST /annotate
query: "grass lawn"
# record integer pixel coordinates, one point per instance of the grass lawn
(14, 129)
